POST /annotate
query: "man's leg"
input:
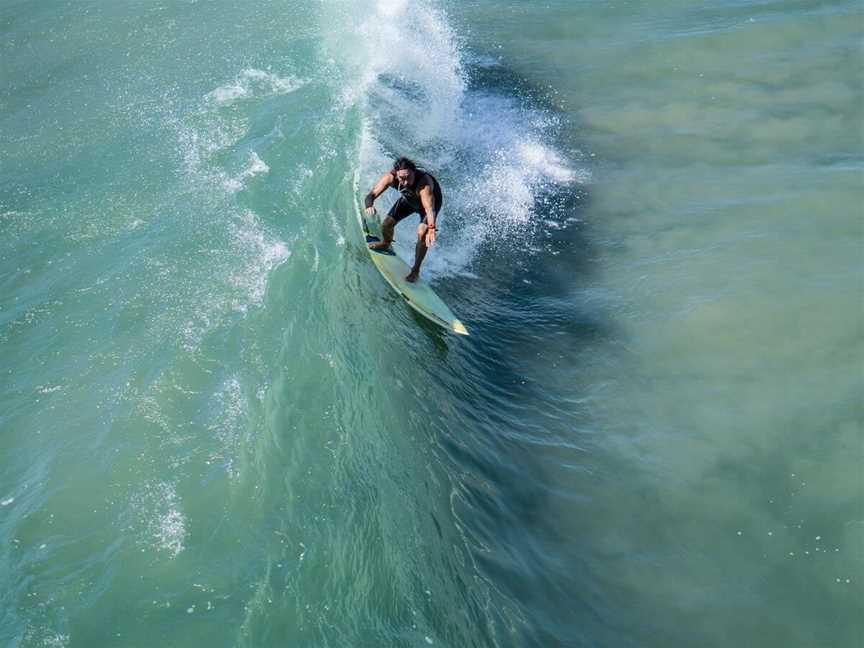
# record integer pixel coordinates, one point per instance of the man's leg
(419, 253)
(387, 228)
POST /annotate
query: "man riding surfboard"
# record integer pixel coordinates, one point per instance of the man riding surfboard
(420, 194)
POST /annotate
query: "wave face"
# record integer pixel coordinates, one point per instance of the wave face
(218, 426)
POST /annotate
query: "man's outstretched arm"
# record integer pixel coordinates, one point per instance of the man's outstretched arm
(380, 187)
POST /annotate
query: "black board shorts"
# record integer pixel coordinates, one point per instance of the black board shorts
(402, 208)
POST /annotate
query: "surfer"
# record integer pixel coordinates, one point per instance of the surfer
(420, 194)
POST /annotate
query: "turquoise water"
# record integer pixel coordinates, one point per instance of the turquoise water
(218, 426)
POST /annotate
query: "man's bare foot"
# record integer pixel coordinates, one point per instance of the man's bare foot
(412, 276)
(379, 245)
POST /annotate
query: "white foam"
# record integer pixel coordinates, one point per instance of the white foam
(267, 253)
(493, 154)
(239, 270)
(158, 507)
(171, 531)
(230, 92)
(300, 177)
(256, 166)
(407, 50)
(243, 252)
(232, 412)
(484, 61)
(204, 135)
(540, 160)
(45, 637)
(253, 83)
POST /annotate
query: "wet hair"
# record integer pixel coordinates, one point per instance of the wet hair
(404, 163)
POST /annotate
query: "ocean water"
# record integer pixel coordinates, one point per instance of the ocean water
(219, 427)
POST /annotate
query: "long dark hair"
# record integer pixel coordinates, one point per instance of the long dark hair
(404, 163)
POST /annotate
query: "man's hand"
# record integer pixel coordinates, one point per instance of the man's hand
(430, 237)
(371, 211)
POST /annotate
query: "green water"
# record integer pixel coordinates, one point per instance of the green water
(218, 425)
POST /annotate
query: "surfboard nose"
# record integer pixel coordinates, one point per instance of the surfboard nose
(459, 327)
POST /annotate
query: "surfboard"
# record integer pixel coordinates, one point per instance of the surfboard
(418, 295)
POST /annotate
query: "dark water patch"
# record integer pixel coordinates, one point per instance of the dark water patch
(515, 435)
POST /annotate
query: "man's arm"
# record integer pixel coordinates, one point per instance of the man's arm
(380, 187)
(428, 200)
